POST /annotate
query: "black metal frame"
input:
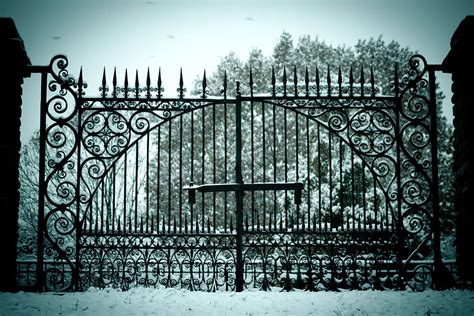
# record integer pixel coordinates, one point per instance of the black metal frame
(357, 222)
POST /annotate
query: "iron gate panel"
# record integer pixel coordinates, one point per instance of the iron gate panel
(120, 171)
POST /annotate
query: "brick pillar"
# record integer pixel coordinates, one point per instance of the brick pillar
(460, 63)
(13, 61)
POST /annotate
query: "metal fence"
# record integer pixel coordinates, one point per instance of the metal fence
(317, 184)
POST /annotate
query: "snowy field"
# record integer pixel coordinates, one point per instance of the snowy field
(142, 301)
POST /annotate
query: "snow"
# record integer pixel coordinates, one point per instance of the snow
(146, 301)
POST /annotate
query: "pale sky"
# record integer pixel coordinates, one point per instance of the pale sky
(194, 35)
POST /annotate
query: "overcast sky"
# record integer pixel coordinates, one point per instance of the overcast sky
(135, 34)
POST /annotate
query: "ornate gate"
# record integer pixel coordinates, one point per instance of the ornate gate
(319, 184)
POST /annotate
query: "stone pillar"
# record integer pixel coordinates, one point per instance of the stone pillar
(13, 62)
(460, 63)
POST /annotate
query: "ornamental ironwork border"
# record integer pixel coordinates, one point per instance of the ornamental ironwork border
(362, 222)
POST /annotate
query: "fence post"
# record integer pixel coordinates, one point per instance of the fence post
(13, 62)
(460, 63)
(239, 264)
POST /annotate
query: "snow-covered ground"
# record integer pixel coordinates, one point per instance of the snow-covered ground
(143, 301)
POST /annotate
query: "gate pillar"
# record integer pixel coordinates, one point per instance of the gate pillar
(460, 63)
(13, 62)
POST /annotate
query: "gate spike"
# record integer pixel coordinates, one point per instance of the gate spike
(251, 82)
(362, 80)
(284, 81)
(231, 224)
(317, 81)
(295, 80)
(339, 80)
(273, 81)
(225, 84)
(351, 82)
(80, 84)
(186, 224)
(329, 82)
(148, 83)
(174, 224)
(163, 225)
(114, 83)
(372, 81)
(118, 227)
(306, 81)
(204, 85)
(159, 83)
(104, 83)
(181, 83)
(208, 225)
(137, 84)
(125, 84)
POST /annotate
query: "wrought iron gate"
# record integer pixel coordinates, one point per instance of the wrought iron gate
(318, 184)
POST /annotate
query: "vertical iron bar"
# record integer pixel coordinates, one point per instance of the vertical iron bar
(225, 165)
(125, 193)
(285, 122)
(264, 171)
(169, 175)
(136, 186)
(319, 178)
(214, 163)
(353, 190)
(113, 198)
(147, 177)
(180, 192)
(308, 173)
(239, 269)
(158, 179)
(252, 159)
(274, 169)
(341, 184)
(40, 281)
(297, 162)
(192, 170)
(203, 178)
(330, 180)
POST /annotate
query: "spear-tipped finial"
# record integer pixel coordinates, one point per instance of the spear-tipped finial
(125, 84)
(204, 85)
(372, 81)
(339, 80)
(80, 84)
(306, 81)
(329, 81)
(104, 85)
(160, 89)
(362, 80)
(284, 81)
(351, 81)
(317, 82)
(225, 84)
(148, 83)
(181, 83)
(137, 84)
(295, 80)
(273, 81)
(114, 83)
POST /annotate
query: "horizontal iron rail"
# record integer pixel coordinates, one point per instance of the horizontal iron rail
(263, 186)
